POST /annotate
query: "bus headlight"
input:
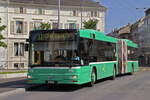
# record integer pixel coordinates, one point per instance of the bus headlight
(73, 77)
(29, 76)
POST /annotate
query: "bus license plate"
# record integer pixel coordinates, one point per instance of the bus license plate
(51, 82)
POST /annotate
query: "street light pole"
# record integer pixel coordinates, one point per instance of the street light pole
(81, 12)
(81, 16)
(58, 23)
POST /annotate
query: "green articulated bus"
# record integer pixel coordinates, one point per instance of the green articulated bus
(72, 56)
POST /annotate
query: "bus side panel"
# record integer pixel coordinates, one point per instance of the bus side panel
(85, 75)
(104, 69)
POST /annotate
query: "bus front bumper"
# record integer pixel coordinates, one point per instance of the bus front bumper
(59, 79)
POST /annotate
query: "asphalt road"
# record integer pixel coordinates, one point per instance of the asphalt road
(12, 84)
(128, 87)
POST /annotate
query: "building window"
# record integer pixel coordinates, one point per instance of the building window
(19, 49)
(92, 14)
(19, 26)
(72, 26)
(77, 26)
(66, 26)
(21, 65)
(74, 13)
(95, 14)
(54, 25)
(37, 25)
(16, 65)
(21, 10)
(39, 10)
(61, 25)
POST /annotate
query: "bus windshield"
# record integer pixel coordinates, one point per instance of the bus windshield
(54, 52)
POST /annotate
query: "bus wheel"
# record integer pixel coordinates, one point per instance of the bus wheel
(114, 74)
(93, 78)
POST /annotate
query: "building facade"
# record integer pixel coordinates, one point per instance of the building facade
(125, 32)
(21, 16)
(144, 40)
(122, 33)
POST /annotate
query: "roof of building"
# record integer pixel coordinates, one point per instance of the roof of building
(147, 12)
(86, 3)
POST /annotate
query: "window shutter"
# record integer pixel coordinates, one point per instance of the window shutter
(25, 28)
(88, 14)
(16, 10)
(11, 49)
(36, 11)
(24, 10)
(77, 13)
(98, 14)
(12, 28)
(71, 13)
(43, 11)
(31, 26)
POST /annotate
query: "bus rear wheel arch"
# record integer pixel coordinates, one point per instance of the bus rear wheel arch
(93, 77)
(114, 72)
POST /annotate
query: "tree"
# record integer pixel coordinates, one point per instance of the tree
(45, 26)
(2, 44)
(90, 24)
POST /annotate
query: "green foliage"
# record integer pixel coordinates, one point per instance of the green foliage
(45, 26)
(2, 44)
(13, 72)
(90, 24)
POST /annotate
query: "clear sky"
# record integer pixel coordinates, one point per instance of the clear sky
(120, 12)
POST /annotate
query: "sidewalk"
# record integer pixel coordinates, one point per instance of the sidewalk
(144, 69)
(12, 73)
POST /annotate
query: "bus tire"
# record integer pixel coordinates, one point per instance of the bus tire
(93, 78)
(114, 74)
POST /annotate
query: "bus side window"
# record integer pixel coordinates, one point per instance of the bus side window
(37, 55)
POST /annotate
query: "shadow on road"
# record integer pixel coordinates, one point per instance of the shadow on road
(61, 88)
(54, 88)
(13, 84)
